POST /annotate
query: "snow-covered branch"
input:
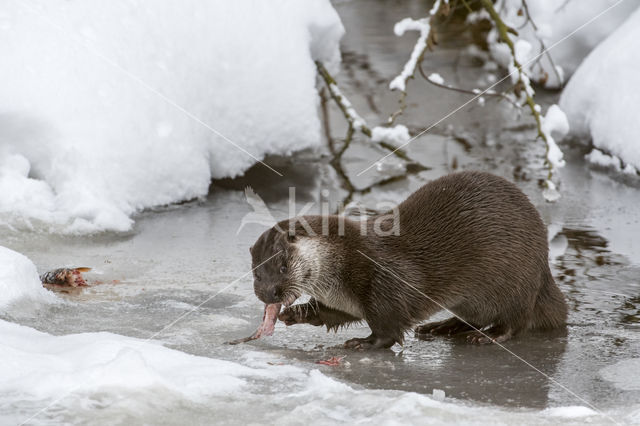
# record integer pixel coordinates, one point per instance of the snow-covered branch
(425, 41)
(554, 121)
(350, 114)
(355, 121)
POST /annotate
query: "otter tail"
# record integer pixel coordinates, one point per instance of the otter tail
(550, 311)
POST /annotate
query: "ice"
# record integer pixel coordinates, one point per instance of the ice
(19, 281)
(558, 242)
(114, 107)
(623, 374)
(601, 98)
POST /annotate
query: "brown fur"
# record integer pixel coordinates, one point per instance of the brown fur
(470, 242)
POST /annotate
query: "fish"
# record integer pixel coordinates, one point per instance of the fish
(267, 326)
(64, 277)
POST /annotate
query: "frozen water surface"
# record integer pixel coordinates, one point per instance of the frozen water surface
(177, 287)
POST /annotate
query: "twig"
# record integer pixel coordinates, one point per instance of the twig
(523, 79)
(525, 6)
(325, 120)
(343, 103)
(489, 93)
(417, 55)
(350, 114)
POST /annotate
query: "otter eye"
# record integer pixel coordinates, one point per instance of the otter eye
(283, 269)
(257, 277)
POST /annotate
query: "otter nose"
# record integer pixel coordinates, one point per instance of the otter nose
(268, 293)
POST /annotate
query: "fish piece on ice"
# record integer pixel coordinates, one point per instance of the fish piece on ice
(64, 277)
(269, 319)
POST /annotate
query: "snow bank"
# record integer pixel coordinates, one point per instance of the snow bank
(106, 376)
(601, 100)
(19, 280)
(600, 159)
(555, 25)
(42, 366)
(108, 108)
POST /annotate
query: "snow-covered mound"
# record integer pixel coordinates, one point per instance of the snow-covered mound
(44, 366)
(569, 29)
(107, 108)
(106, 377)
(601, 100)
(19, 280)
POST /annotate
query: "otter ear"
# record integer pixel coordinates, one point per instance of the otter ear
(251, 249)
(285, 239)
(291, 238)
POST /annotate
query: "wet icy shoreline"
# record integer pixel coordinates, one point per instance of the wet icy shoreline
(180, 256)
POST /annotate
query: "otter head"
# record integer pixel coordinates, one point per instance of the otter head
(284, 266)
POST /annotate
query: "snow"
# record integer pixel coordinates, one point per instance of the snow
(436, 6)
(436, 78)
(569, 29)
(396, 136)
(599, 158)
(19, 281)
(550, 192)
(438, 394)
(23, 198)
(43, 366)
(601, 98)
(83, 375)
(569, 412)
(114, 107)
(422, 25)
(357, 121)
(554, 124)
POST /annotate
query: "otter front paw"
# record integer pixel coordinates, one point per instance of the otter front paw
(300, 314)
(371, 342)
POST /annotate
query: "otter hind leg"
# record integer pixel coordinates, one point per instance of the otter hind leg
(494, 334)
(449, 327)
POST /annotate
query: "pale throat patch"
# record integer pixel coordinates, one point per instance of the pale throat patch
(323, 284)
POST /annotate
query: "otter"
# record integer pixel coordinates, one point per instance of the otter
(470, 243)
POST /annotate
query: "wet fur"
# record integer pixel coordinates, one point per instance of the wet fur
(470, 242)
